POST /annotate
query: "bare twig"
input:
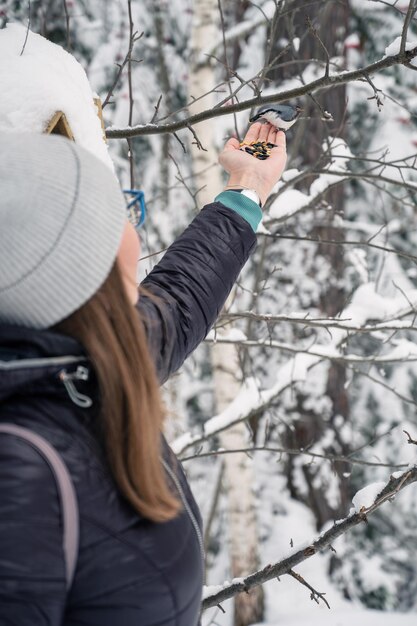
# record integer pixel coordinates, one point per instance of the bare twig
(343, 176)
(410, 439)
(315, 595)
(335, 242)
(182, 144)
(155, 115)
(217, 89)
(27, 30)
(148, 256)
(121, 67)
(376, 91)
(316, 35)
(320, 350)
(182, 180)
(381, 383)
(332, 458)
(342, 324)
(408, 17)
(67, 25)
(196, 139)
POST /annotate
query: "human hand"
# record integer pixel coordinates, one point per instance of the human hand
(246, 170)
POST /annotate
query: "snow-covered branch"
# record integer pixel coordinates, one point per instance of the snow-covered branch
(332, 458)
(366, 502)
(404, 352)
(251, 400)
(312, 87)
(342, 176)
(304, 320)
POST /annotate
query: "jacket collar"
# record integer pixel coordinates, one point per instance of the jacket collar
(29, 357)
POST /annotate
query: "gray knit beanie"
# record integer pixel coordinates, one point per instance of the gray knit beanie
(61, 220)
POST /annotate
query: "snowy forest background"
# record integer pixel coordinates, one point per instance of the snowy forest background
(313, 360)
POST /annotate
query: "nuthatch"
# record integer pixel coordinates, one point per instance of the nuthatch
(282, 116)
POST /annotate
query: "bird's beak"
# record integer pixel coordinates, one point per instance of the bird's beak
(254, 118)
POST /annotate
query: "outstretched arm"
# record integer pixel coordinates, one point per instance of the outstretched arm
(191, 284)
(188, 287)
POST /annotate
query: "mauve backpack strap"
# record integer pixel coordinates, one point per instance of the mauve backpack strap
(66, 492)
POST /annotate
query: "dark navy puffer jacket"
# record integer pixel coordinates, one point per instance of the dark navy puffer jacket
(130, 571)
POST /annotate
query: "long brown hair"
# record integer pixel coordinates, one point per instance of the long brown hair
(131, 411)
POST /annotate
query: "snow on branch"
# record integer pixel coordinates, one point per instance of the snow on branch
(364, 507)
(304, 319)
(404, 352)
(290, 202)
(287, 201)
(298, 452)
(365, 305)
(324, 82)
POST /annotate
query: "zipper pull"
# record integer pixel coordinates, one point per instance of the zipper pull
(81, 373)
(78, 398)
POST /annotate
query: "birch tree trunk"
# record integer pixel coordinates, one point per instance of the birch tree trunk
(243, 536)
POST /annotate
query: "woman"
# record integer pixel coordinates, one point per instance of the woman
(81, 360)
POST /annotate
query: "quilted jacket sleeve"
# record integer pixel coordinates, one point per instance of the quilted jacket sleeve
(32, 567)
(188, 287)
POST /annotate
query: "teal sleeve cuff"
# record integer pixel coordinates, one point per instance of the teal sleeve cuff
(247, 208)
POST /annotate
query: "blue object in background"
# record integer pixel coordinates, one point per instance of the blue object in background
(136, 207)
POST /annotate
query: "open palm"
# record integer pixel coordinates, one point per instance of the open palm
(247, 171)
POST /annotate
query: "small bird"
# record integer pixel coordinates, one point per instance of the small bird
(282, 116)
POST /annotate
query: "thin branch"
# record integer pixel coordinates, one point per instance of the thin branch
(148, 256)
(320, 350)
(316, 35)
(182, 144)
(181, 179)
(410, 439)
(376, 91)
(342, 324)
(332, 458)
(27, 29)
(251, 401)
(121, 67)
(216, 89)
(377, 381)
(344, 176)
(408, 17)
(315, 595)
(196, 139)
(67, 25)
(336, 242)
(389, 5)
(155, 115)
